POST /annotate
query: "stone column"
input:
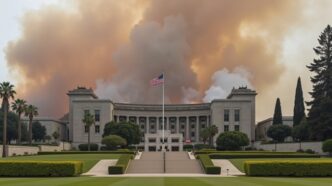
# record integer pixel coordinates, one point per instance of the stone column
(147, 125)
(197, 129)
(177, 125)
(187, 128)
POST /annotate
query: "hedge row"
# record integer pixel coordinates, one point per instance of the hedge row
(121, 165)
(207, 164)
(261, 155)
(40, 168)
(84, 147)
(211, 151)
(288, 168)
(88, 152)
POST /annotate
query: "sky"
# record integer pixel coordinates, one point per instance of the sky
(204, 48)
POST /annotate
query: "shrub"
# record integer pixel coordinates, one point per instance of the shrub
(113, 142)
(87, 152)
(202, 146)
(279, 132)
(208, 166)
(288, 168)
(187, 147)
(327, 146)
(84, 147)
(121, 165)
(261, 155)
(233, 140)
(310, 151)
(40, 168)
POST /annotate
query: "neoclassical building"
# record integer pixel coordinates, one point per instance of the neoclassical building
(183, 122)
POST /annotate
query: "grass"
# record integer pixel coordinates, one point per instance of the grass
(153, 181)
(238, 163)
(88, 159)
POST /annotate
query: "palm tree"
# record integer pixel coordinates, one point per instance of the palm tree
(31, 111)
(6, 92)
(213, 130)
(88, 120)
(19, 107)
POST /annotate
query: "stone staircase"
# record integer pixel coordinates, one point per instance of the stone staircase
(168, 162)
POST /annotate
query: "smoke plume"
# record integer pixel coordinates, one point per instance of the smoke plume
(117, 47)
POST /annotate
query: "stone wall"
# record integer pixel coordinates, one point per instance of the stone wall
(290, 147)
(14, 150)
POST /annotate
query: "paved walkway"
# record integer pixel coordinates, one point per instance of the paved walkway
(227, 168)
(101, 168)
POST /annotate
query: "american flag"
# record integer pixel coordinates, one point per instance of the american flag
(157, 81)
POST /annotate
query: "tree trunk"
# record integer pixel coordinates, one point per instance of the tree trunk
(89, 139)
(4, 140)
(19, 127)
(30, 131)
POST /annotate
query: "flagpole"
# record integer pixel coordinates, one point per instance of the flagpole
(163, 112)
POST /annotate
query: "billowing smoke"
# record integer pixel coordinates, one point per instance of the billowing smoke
(116, 47)
(224, 81)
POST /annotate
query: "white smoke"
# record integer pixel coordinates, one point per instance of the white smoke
(223, 81)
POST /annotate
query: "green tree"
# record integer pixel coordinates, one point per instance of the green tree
(232, 140)
(19, 107)
(277, 116)
(126, 130)
(301, 132)
(38, 131)
(327, 146)
(31, 111)
(48, 138)
(88, 121)
(12, 120)
(298, 112)
(320, 112)
(112, 142)
(6, 93)
(279, 132)
(205, 134)
(56, 135)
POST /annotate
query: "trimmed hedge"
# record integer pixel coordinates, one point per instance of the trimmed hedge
(22, 168)
(261, 155)
(88, 152)
(208, 166)
(211, 151)
(84, 147)
(121, 165)
(296, 168)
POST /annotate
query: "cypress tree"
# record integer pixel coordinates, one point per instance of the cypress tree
(277, 116)
(320, 112)
(299, 104)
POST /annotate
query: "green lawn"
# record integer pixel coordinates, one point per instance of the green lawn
(240, 162)
(88, 159)
(156, 181)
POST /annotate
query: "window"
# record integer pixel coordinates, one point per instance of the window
(175, 140)
(172, 127)
(142, 126)
(237, 127)
(182, 126)
(86, 129)
(226, 128)
(192, 126)
(97, 129)
(226, 115)
(152, 127)
(237, 115)
(152, 140)
(203, 126)
(97, 115)
(192, 134)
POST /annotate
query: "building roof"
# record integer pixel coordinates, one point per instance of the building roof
(241, 91)
(284, 118)
(82, 91)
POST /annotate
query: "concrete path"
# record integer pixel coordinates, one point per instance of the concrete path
(227, 168)
(101, 168)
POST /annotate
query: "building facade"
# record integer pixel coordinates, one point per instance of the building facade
(263, 126)
(183, 122)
